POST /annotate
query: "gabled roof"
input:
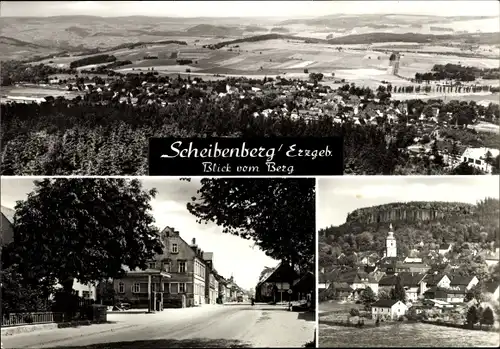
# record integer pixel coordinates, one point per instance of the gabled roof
(461, 280)
(384, 303)
(433, 280)
(491, 287)
(444, 246)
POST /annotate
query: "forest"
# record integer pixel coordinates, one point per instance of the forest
(458, 72)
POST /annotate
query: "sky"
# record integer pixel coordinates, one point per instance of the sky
(232, 255)
(339, 196)
(245, 8)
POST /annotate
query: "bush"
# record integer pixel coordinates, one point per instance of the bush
(306, 71)
(354, 312)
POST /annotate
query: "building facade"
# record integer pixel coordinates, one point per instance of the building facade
(176, 276)
(388, 309)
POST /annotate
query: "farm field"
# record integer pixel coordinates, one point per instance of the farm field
(28, 91)
(404, 335)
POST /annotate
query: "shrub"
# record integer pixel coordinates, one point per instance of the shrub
(306, 71)
(354, 312)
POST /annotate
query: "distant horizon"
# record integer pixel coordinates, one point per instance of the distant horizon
(250, 17)
(338, 197)
(245, 9)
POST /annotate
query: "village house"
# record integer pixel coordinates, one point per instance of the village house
(358, 280)
(223, 291)
(466, 281)
(412, 267)
(493, 289)
(444, 248)
(436, 280)
(7, 226)
(211, 283)
(274, 285)
(388, 309)
(177, 276)
(453, 294)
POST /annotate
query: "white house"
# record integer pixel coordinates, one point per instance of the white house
(388, 309)
(476, 157)
(412, 260)
(444, 248)
(440, 281)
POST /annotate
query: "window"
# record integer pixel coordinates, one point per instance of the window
(471, 160)
(478, 162)
(86, 294)
(166, 267)
(175, 248)
(152, 265)
(182, 267)
(121, 287)
(182, 287)
(136, 287)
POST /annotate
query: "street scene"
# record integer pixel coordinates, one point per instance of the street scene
(133, 280)
(230, 325)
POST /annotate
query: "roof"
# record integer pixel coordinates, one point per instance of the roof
(8, 213)
(491, 287)
(478, 153)
(282, 273)
(385, 303)
(208, 256)
(461, 280)
(434, 279)
(444, 246)
(342, 286)
(407, 279)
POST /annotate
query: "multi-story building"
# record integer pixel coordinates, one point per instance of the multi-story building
(176, 277)
(211, 284)
(223, 290)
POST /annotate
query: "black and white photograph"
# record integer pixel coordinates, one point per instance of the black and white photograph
(158, 263)
(408, 261)
(412, 86)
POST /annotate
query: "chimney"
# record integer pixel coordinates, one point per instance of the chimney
(194, 242)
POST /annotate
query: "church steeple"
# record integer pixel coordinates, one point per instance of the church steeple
(391, 249)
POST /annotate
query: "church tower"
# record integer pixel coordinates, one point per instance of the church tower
(391, 249)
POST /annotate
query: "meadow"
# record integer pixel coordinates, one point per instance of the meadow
(404, 335)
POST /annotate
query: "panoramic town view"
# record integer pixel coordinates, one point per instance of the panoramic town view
(157, 263)
(413, 259)
(412, 86)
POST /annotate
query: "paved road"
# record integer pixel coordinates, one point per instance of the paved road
(208, 326)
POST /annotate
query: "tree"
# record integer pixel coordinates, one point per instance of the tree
(487, 317)
(85, 229)
(472, 316)
(398, 292)
(383, 294)
(278, 214)
(476, 292)
(368, 296)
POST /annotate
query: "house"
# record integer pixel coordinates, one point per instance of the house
(492, 257)
(274, 286)
(467, 281)
(177, 275)
(454, 294)
(388, 309)
(358, 280)
(223, 291)
(7, 226)
(412, 260)
(304, 288)
(342, 291)
(412, 267)
(412, 283)
(437, 280)
(477, 157)
(211, 284)
(493, 289)
(444, 248)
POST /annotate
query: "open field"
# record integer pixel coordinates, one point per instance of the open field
(28, 91)
(404, 335)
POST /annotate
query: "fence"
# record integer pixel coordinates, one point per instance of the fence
(81, 312)
(17, 319)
